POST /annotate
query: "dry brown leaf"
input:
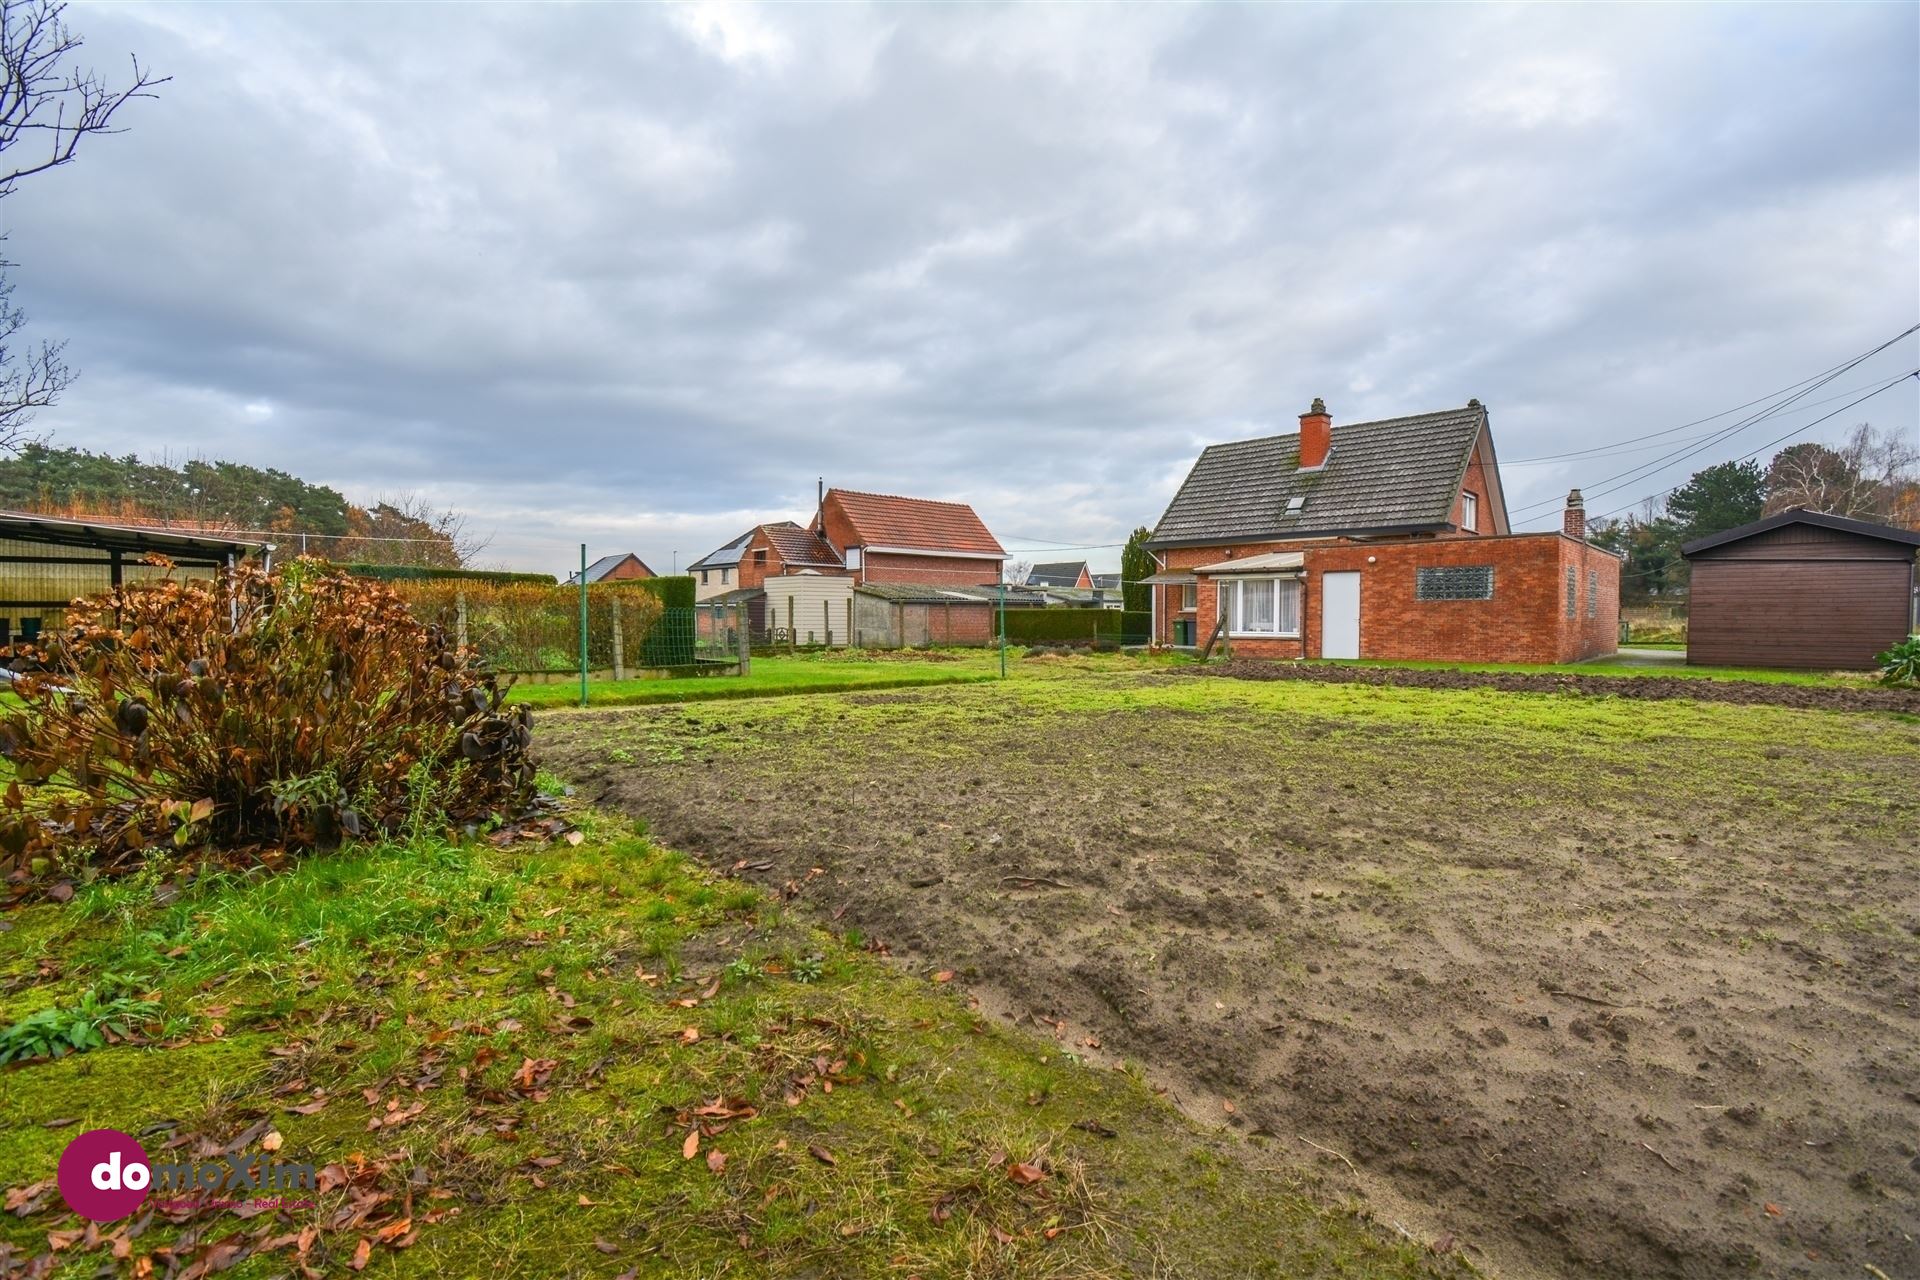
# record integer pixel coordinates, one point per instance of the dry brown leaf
(821, 1154)
(362, 1254)
(691, 1147)
(1026, 1174)
(717, 1161)
(945, 975)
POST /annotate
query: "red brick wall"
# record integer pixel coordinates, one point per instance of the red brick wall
(955, 624)
(940, 571)
(1524, 622)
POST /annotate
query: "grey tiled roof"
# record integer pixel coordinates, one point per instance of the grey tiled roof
(1398, 473)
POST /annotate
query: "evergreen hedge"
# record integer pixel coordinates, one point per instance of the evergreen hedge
(428, 573)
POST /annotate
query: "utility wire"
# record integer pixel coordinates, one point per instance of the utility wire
(1776, 441)
(1642, 470)
(1653, 435)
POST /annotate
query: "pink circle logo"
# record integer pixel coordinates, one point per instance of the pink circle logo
(104, 1175)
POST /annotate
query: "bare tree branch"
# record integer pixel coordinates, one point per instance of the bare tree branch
(47, 106)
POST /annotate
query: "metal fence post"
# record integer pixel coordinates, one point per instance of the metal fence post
(583, 624)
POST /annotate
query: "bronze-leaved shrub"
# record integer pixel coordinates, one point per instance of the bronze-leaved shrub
(251, 711)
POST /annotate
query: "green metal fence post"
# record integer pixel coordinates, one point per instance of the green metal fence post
(1003, 628)
(583, 624)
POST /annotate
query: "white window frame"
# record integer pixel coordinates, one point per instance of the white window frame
(1470, 511)
(1189, 597)
(1229, 590)
(724, 574)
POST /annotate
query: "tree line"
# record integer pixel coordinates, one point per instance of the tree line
(1871, 475)
(232, 496)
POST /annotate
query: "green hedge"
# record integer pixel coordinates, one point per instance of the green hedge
(421, 572)
(673, 593)
(1063, 626)
(671, 642)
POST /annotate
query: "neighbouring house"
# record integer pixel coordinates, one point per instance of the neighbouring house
(624, 567)
(883, 538)
(1106, 582)
(1384, 539)
(762, 552)
(1067, 573)
(1800, 589)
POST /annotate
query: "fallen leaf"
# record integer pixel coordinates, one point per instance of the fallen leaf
(690, 1035)
(272, 1141)
(945, 975)
(717, 1161)
(395, 1229)
(1774, 1210)
(1227, 1105)
(1026, 1174)
(362, 1254)
(821, 1154)
(602, 1245)
(575, 837)
(691, 1147)
(585, 1203)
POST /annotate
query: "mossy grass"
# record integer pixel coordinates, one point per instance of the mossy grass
(888, 1112)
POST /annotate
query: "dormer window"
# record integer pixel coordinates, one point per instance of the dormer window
(1469, 512)
(1296, 504)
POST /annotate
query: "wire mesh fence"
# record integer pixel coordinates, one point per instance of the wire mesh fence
(536, 631)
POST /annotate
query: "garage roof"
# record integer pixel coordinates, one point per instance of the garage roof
(1801, 515)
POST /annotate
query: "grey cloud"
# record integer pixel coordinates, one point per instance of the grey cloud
(638, 276)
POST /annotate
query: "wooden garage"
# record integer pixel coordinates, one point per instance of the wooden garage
(1800, 589)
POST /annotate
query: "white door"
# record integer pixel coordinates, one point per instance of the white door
(1339, 615)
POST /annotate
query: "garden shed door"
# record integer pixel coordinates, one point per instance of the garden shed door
(1339, 615)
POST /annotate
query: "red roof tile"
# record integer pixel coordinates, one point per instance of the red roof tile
(883, 520)
(799, 546)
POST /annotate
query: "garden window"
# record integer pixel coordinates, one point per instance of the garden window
(1261, 606)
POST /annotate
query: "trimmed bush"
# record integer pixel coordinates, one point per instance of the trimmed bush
(251, 712)
(1063, 626)
(671, 641)
(1136, 626)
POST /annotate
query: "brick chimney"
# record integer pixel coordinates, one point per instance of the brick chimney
(1574, 520)
(1316, 435)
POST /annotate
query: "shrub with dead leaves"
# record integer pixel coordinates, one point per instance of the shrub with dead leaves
(251, 712)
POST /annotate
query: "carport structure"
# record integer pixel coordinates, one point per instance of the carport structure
(47, 561)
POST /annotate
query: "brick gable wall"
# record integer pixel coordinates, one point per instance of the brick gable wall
(940, 571)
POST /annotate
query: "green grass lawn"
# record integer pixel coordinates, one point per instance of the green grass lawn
(772, 676)
(1607, 667)
(602, 1060)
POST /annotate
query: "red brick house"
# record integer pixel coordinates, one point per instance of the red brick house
(1064, 573)
(882, 538)
(1380, 539)
(762, 552)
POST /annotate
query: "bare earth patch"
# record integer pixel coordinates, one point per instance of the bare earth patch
(1590, 986)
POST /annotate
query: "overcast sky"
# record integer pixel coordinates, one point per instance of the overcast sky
(636, 276)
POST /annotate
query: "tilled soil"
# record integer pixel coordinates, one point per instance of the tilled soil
(1742, 692)
(1584, 994)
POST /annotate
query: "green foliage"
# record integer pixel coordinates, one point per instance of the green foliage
(1136, 566)
(293, 710)
(422, 572)
(1136, 625)
(56, 1031)
(1654, 568)
(1901, 664)
(44, 478)
(672, 641)
(1717, 499)
(1064, 626)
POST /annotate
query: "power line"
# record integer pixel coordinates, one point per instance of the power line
(1602, 451)
(1554, 457)
(1642, 470)
(1800, 430)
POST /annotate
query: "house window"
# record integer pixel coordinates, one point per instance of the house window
(1261, 606)
(1573, 591)
(1190, 597)
(1454, 582)
(1593, 593)
(1470, 512)
(760, 557)
(703, 577)
(853, 557)
(724, 575)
